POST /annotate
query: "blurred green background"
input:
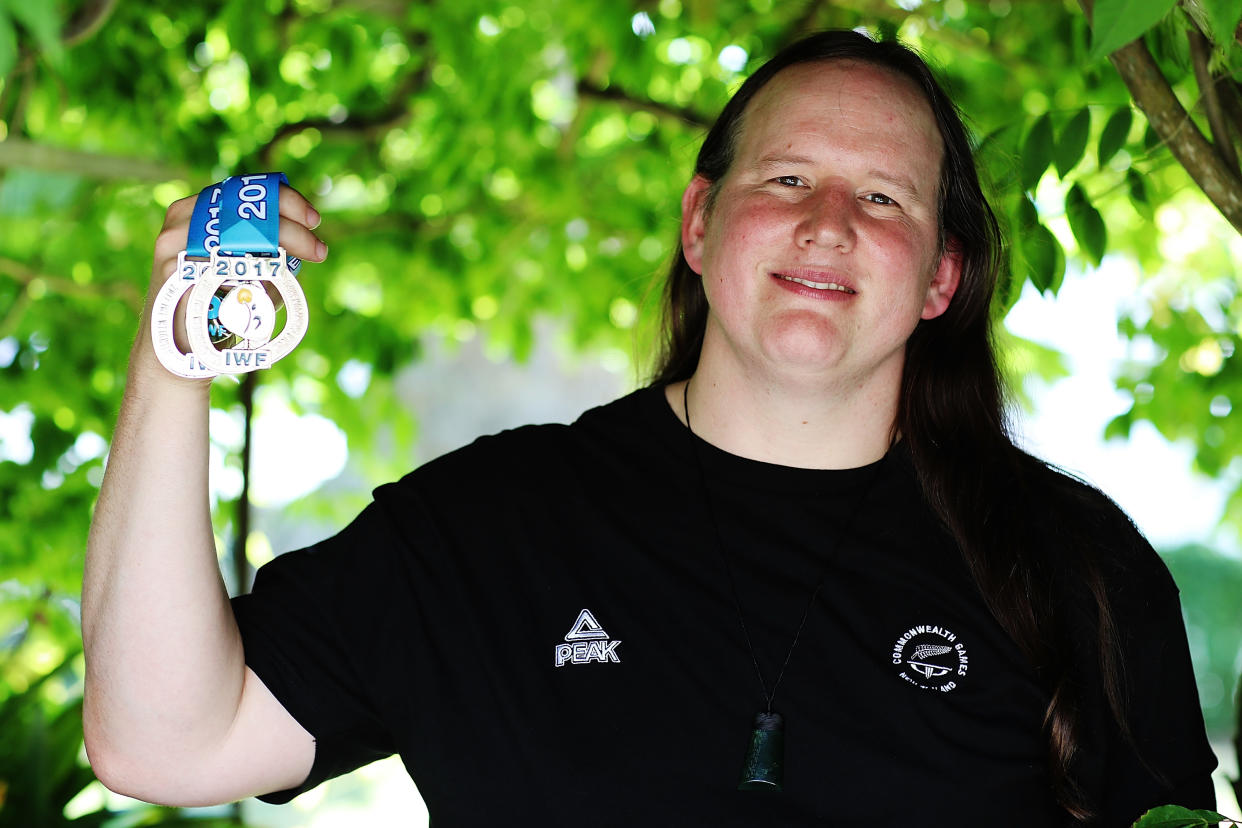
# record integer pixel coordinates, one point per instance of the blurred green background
(500, 182)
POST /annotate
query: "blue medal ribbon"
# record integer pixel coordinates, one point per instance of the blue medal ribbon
(239, 223)
(205, 223)
(239, 215)
(250, 222)
(232, 244)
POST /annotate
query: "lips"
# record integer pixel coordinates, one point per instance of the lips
(816, 281)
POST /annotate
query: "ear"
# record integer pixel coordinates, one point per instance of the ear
(694, 221)
(944, 281)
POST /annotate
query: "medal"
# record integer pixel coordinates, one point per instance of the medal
(163, 314)
(246, 312)
(192, 264)
(231, 262)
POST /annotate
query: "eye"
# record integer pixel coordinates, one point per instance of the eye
(789, 181)
(880, 198)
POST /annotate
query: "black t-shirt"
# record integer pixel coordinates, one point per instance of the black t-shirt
(542, 625)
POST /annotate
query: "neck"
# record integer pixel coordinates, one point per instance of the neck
(799, 427)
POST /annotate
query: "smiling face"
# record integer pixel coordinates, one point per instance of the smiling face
(820, 249)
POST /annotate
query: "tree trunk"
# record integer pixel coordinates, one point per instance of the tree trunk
(1151, 91)
(242, 571)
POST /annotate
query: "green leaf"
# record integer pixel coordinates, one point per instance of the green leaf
(1118, 427)
(1223, 17)
(1045, 258)
(1113, 138)
(1037, 152)
(8, 44)
(1151, 139)
(1138, 192)
(998, 151)
(1028, 216)
(1072, 142)
(1040, 249)
(1168, 42)
(1117, 22)
(40, 20)
(1175, 816)
(1086, 223)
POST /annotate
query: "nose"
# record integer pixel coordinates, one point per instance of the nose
(828, 220)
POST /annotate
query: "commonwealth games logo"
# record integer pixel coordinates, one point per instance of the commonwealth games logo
(931, 657)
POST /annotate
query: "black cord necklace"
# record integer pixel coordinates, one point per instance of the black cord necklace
(763, 768)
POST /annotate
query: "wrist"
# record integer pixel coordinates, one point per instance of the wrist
(146, 370)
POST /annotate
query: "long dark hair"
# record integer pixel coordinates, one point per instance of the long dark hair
(951, 413)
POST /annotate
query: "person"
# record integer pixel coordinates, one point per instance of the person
(814, 510)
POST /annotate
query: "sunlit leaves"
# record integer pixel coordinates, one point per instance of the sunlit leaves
(1223, 17)
(1037, 151)
(1137, 189)
(1086, 223)
(1040, 249)
(1072, 142)
(479, 167)
(1117, 22)
(1175, 816)
(8, 43)
(1113, 138)
(43, 22)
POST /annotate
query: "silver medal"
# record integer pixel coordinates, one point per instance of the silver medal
(163, 320)
(245, 311)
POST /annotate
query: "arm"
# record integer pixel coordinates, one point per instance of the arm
(171, 713)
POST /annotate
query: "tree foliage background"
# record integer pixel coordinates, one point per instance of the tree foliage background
(482, 164)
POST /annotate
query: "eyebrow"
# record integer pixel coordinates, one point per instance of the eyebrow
(769, 162)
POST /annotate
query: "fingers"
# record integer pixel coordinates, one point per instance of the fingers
(179, 211)
(298, 219)
(298, 240)
(293, 205)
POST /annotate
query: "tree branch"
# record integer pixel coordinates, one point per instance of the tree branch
(589, 89)
(24, 275)
(1228, 92)
(18, 152)
(1237, 746)
(1200, 50)
(8, 322)
(87, 22)
(804, 23)
(242, 572)
(17, 122)
(1152, 93)
(1172, 123)
(365, 126)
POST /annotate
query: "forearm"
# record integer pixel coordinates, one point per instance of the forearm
(164, 660)
(171, 714)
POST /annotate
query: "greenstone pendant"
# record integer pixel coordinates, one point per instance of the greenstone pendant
(765, 756)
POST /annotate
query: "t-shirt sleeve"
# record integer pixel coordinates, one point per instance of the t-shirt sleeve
(316, 628)
(1167, 760)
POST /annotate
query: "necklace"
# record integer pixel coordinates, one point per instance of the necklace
(764, 765)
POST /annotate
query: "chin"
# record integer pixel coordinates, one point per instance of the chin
(811, 343)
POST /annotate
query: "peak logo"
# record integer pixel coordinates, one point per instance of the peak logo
(586, 642)
(931, 657)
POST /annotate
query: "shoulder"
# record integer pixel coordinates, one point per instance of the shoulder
(532, 453)
(1080, 523)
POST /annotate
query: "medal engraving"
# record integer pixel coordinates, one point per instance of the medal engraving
(248, 313)
(226, 276)
(163, 320)
(245, 311)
